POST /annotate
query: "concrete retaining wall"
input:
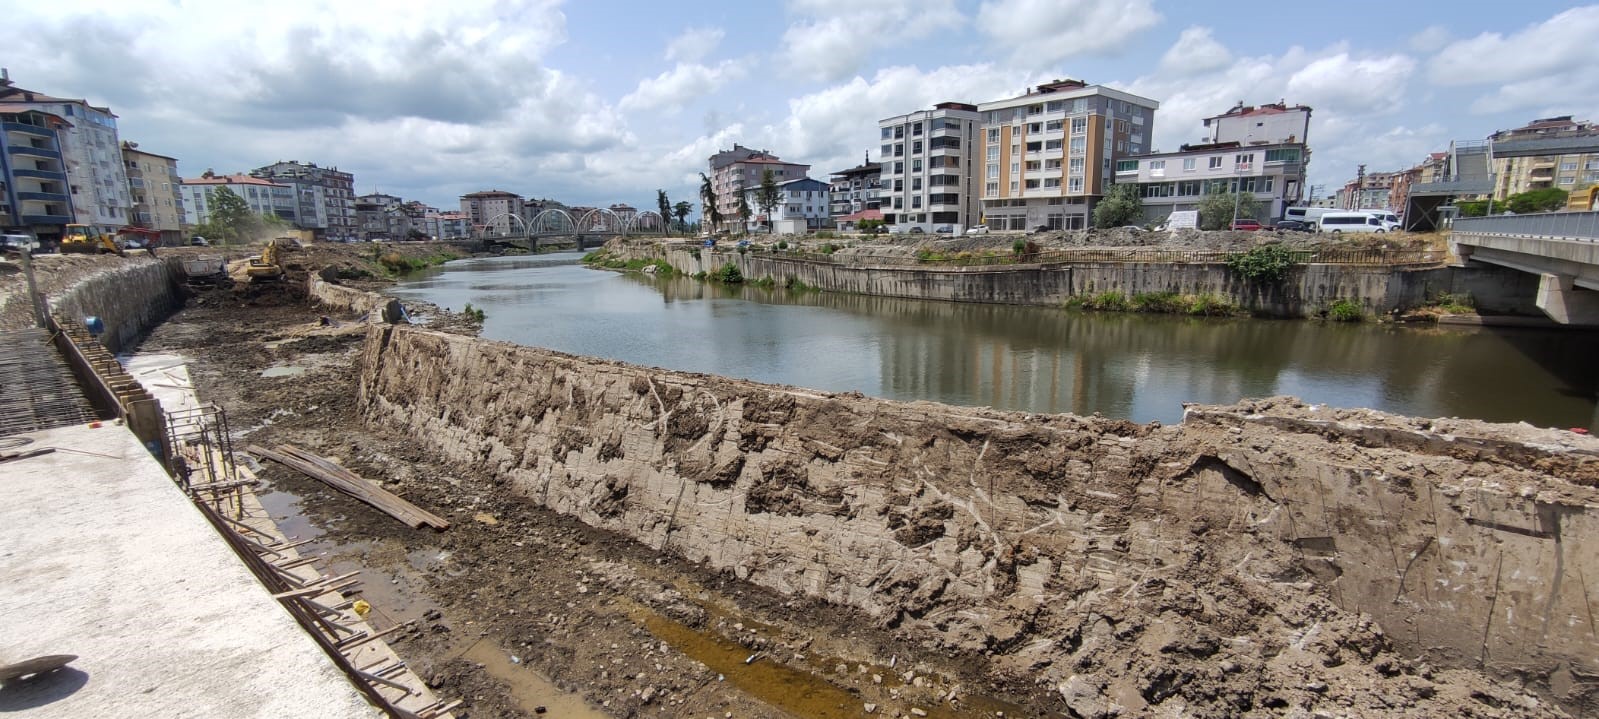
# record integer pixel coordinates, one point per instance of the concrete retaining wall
(1462, 538)
(1308, 290)
(129, 299)
(347, 299)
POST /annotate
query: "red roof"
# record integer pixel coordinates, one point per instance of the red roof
(862, 215)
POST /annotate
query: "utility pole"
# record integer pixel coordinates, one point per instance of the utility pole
(1360, 187)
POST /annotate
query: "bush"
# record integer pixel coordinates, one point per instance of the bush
(1344, 311)
(1455, 303)
(699, 275)
(829, 248)
(1159, 302)
(1216, 210)
(825, 235)
(1018, 247)
(870, 227)
(474, 314)
(1120, 206)
(795, 285)
(1265, 264)
(782, 244)
(764, 283)
(729, 275)
(1211, 306)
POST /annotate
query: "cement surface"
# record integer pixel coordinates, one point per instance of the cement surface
(103, 557)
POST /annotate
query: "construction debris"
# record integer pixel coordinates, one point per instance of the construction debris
(350, 483)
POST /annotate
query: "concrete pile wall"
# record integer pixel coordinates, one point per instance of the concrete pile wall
(1462, 539)
(129, 299)
(1308, 290)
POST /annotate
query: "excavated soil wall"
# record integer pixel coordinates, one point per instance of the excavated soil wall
(1042, 540)
(129, 299)
(1307, 291)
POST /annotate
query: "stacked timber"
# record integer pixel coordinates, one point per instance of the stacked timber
(350, 483)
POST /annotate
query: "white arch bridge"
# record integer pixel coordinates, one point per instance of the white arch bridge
(597, 223)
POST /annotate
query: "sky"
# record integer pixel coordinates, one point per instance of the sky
(598, 102)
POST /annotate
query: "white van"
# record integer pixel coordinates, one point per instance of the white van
(1390, 221)
(1339, 222)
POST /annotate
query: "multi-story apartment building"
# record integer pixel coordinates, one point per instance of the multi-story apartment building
(90, 152)
(490, 212)
(856, 194)
(1570, 171)
(153, 184)
(324, 197)
(452, 225)
(34, 196)
(801, 206)
(380, 217)
(1049, 155)
(739, 169)
(1259, 150)
(927, 160)
(263, 196)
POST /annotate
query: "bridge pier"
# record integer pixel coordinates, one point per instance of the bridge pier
(1560, 298)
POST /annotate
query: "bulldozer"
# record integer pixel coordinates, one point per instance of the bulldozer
(85, 239)
(267, 266)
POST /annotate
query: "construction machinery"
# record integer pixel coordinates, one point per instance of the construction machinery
(138, 238)
(86, 239)
(205, 271)
(267, 266)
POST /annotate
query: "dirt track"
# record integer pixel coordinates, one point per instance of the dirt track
(640, 633)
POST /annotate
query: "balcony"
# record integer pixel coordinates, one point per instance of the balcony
(56, 175)
(29, 151)
(135, 182)
(27, 129)
(42, 196)
(46, 219)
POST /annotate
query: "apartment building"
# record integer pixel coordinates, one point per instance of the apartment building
(378, 216)
(741, 168)
(452, 225)
(491, 211)
(1049, 155)
(801, 206)
(1259, 150)
(89, 150)
(153, 184)
(324, 197)
(927, 160)
(264, 197)
(34, 196)
(1571, 171)
(532, 208)
(855, 194)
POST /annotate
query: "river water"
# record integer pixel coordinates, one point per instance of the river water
(1034, 359)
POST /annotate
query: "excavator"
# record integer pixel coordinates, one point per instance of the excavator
(85, 239)
(267, 266)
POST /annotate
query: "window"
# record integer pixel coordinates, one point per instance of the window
(1015, 167)
(916, 202)
(1054, 125)
(899, 132)
(898, 203)
(899, 149)
(1244, 159)
(916, 164)
(993, 134)
(916, 129)
(1074, 184)
(1052, 164)
(1054, 106)
(1286, 154)
(1035, 109)
(1052, 145)
(1126, 166)
(1568, 179)
(1031, 184)
(916, 184)
(899, 185)
(1079, 145)
(1188, 164)
(1033, 166)
(1076, 166)
(993, 171)
(1080, 105)
(1215, 163)
(940, 143)
(888, 150)
(899, 168)
(1035, 146)
(888, 133)
(1121, 146)
(1188, 188)
(916, 147)
(1157, 164)
(1051, 182)
(993, 153)
(1015, 149)
(991, 188)
(1079, 125)
(1015, 187)
(1568, 166)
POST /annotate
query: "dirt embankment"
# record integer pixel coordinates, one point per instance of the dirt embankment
(641, 632)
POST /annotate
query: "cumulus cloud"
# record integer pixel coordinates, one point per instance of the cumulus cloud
(1195, 53)
(831, 39)
(1372, 84)
(1430, 39)
(676, 87)
(1554, 56)
(1039, 33)
(694, 44)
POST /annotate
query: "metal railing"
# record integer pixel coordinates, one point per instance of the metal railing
(1130, 255)
(1553, 225)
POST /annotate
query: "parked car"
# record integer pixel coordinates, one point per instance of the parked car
(198, 241)
(1246, 225)
(945, 229)
(977, 230)
(1041, 228)
(14, 244)
(1294, 226)
(917, 231)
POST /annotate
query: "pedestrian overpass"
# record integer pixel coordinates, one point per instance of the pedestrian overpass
(1469, 172)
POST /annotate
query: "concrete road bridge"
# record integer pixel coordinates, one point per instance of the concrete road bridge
(1561, 247)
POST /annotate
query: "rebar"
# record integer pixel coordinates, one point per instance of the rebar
(37, 389)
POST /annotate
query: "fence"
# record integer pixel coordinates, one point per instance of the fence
(1552, 225)
(1131, 255)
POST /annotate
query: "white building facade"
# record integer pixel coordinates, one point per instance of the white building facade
(802, 205)
(926, 179)
(263, 196)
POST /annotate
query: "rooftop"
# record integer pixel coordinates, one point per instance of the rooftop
(490, 194)
(234, 179)
(1241, 110)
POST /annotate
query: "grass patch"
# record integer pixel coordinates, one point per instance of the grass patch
(794, 284)
(1212, 306)
(475, 314)
(1166, 303)
(1454, 303)
(1343, 310)
(1267, 264)
(728, 275)
(397, 263)
(764, 283)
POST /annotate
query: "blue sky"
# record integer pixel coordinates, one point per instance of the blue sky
(599, 102)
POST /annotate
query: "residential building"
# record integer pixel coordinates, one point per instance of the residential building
(736, 170)
(1049, 155)
(625, 213)
(1259, 150)
(490, 212)
(1264, 125)
(420, 219)
(801, 206)
(532, 208)
(854, 193)
(379, 216)
(927, 160)
(453, 225)
(324, 197)
(262, 196)
(153, 184)
(1570, 171)
(90, 153)
(34, 195)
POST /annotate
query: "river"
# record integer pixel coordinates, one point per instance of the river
(1033, 359)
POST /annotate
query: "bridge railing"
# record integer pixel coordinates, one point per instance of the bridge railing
(1129, 255)
(1553, 225)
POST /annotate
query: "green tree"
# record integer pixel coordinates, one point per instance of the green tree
(1216, 210)
(682, 210)
(768, 197)
(711, 212)
(744, 213)
(1119, 207)
(1472, 208)
(231, 220)
(1548, 199)
(665, 206)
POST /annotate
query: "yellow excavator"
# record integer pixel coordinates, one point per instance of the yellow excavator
(85, 239)
(267, 266)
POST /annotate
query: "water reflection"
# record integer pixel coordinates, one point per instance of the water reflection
(1022, 358)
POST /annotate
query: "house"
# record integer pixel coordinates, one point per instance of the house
(154, 188)
(741, 168)
(854, 191)
(263, 197)
(802, 206)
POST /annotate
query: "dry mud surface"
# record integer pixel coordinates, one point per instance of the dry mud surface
(513, 591)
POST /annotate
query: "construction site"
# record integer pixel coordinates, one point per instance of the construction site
(299, 497)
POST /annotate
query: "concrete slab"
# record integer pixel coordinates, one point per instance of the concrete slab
(103, 557)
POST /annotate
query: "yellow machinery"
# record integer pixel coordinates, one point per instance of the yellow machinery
(87, 240)
(266, 267)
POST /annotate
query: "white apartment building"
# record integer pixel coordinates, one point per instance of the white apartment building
(264, 197)
(1259, 150)
(90, 150)
(927, 158)
(802, 205)
(1049, 155)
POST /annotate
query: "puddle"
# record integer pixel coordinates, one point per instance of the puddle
(529, 688)
(284, 509)
(283, 371)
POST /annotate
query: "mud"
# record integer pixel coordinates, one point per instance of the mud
(1232, 620)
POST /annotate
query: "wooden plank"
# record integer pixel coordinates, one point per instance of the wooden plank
(353, 484)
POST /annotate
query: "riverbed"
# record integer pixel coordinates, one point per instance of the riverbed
(1033, 359)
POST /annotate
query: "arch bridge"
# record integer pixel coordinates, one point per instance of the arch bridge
(589, 228)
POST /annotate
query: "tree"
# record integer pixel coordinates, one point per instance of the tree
(682, 210)
(1548, 199)
(768, 198)
(665, 206)
(231, 219)
(744, 213)
(711, 212)
(1472, 208)
(1119, 207)
(1216, 210)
